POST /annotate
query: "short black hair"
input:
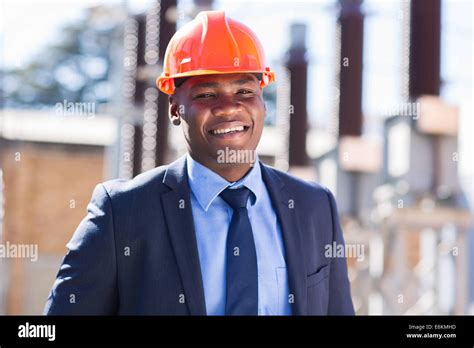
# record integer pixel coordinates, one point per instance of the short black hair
(178, 81)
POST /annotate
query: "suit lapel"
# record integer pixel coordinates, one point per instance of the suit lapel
(291, 237)
(179, 218)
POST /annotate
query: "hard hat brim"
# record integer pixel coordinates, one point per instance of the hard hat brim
(166, 83)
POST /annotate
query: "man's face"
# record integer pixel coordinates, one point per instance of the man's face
(211, 105)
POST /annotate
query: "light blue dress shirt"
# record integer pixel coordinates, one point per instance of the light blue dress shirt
(212, 218)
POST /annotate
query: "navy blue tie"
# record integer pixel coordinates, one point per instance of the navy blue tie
(241, 279)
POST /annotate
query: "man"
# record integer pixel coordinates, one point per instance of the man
(210, 233)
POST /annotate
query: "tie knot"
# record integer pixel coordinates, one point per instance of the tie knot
(236, 198)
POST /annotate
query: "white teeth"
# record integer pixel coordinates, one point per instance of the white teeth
(228, 130)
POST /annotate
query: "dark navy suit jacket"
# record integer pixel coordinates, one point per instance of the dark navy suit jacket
(136, 253)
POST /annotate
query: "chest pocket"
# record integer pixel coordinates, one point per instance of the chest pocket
(317, 285)
(315, 278)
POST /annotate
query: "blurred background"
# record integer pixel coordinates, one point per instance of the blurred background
(373, 98)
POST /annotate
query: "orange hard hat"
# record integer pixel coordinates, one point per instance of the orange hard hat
(213, 44)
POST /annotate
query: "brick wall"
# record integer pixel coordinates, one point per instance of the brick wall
(47, 189)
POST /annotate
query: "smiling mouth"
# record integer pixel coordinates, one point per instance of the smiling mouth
(228, 131)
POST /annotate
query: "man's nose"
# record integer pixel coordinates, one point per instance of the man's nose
(227, 106)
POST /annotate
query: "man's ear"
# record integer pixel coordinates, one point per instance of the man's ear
(174, 115)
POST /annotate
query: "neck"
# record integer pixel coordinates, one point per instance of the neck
(231, 172)
(234, 173)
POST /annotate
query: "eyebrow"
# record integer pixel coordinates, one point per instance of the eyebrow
(242, 81)
(205, 85)
(215, 84)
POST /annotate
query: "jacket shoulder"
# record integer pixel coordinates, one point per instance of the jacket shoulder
(150, 181)
(301, 187)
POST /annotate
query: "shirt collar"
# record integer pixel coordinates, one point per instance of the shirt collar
(206, 185)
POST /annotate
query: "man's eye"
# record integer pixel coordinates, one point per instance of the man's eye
(204, 96)
(245, 91)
